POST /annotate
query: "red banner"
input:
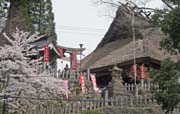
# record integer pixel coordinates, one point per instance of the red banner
(142, 72)
(82, 82)
(46, 53)
(60, 50)
(73, 60)
(134, 68)
(66, 88)
(93, 79)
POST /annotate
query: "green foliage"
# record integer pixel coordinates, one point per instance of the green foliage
(37, 13)
(91, 112)
(159, 16)
(169, 21)
(171, 27)
(174, 2)
(1, 106)
(168, 92)
(42, 16)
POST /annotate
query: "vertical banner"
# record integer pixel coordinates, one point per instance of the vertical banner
(93, 79)
(73, 60)
(60, 50)
(82, 82)
(142, 72)
(66, 88)
(134, 68)
(46, 53)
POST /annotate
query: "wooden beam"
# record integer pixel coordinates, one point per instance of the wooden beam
(70, 50)
(68, 59)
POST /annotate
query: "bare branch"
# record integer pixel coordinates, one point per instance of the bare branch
(131, 6)
(109, 3)
(10, 41)
(142, 11)
(146, 8)
(142, 3)
(167, 4)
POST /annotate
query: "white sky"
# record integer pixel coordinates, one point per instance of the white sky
(77, 22)
(81, 21)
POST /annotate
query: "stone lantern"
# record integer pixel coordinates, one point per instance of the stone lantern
(116, 87)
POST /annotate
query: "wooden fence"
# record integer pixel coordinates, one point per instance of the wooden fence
(71, 74)
(131, 89)
(76, 106)
(140, 89)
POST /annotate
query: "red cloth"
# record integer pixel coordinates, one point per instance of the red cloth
(142, 71)
(60, 50)
(66, 88)
(82, 82)
(73, 60)
(134, 68)
(46, 53)
(93, 79)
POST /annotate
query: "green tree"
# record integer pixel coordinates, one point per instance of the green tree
(169, 21)
(91, 112)
(168, 92)
(43, 18)
(29, 15)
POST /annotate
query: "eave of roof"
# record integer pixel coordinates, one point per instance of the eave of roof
(118, 49)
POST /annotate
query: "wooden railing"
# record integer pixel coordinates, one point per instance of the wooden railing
(140, 89)
(76, 106)
(71, 74)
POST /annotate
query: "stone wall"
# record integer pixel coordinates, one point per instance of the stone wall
(134, 110)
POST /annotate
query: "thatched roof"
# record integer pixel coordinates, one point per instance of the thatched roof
(117, 45)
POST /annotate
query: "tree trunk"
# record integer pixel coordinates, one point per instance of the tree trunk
(16, 19)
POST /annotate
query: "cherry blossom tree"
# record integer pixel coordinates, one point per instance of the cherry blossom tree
(24, 86)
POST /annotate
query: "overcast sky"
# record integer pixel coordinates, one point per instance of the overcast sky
(81, 21)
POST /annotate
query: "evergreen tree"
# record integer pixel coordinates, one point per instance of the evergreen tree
(42, 17)
(29, 15)
(169, 21)
(168, 92)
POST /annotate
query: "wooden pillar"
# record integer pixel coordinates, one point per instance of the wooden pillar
(72, 107)
(88, 74)
(131, 100)
(136, 90)
(106, 98)
(121, 101)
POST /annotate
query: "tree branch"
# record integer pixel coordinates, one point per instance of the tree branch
(110, 3)
(167, 4)
(146, 8)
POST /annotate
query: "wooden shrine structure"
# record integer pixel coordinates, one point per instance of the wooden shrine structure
(55, 52)
(117, 47)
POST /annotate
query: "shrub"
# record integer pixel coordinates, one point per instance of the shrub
(91, 112)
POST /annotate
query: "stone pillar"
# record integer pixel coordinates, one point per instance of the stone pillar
(106, 97)
(116, 87)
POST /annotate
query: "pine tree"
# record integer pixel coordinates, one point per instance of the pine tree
(42, 17)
